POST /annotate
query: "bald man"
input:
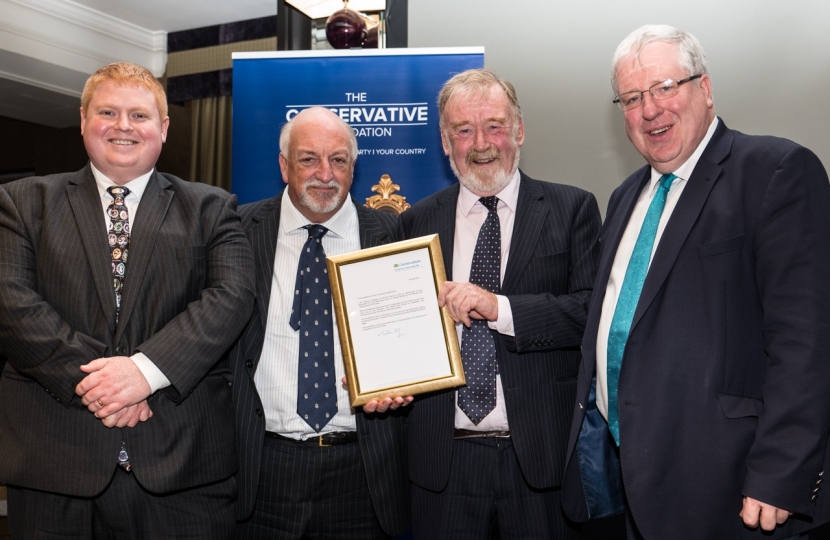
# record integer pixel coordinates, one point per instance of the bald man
(309, 465)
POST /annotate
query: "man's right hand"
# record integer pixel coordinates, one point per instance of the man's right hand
(129, 416)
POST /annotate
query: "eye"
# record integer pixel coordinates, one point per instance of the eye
(463, 132)
(494, 128)
(631, 99)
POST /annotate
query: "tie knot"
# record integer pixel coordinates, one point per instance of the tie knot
(666, 180)
(316, 230)
(118, 192)
(490, 202)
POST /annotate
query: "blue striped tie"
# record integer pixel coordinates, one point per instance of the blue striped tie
(635, 276)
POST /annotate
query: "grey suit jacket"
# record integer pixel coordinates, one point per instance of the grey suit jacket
(382, 437)
(186, 294)
(548, 281)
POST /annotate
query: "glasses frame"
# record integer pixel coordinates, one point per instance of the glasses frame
(617, 101)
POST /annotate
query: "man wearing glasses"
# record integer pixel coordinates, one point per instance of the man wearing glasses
(708, 333)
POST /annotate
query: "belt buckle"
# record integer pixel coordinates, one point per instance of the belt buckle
(320, 442)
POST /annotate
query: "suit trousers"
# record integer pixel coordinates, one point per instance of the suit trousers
(125, 511)
(487, 497)
(312, 492)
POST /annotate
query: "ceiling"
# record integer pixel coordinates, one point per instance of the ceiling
(48, 48)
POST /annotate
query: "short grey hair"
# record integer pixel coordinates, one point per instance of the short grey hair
(690, 54)
(285, 133)
(477, 82)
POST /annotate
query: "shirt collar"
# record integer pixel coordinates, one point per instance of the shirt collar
(340, 224)
(685, 171)
(136, 186)
(509, 195)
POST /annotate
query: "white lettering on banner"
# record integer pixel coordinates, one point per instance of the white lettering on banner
(372, 116)
(373, 132)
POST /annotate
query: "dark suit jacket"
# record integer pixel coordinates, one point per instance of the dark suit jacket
(382, 437)
(723, 390)
(187, 285)
(548, 280)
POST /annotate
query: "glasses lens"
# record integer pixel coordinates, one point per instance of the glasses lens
(664, 90)
(630, 100)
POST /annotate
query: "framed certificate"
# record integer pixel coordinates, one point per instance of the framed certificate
(396, 341)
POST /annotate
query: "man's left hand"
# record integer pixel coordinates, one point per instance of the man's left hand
(466, 301)
(385, 404)
(112, 384)
(756, 512)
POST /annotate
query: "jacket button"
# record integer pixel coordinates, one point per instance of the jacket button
(120, 350)
(813, 497)
(249, 363)
(259, 412)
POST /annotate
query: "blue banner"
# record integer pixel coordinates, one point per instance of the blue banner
(388, 96)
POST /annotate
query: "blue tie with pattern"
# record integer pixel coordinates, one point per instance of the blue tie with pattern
(635, 276)
(311, 316)
(478, 347)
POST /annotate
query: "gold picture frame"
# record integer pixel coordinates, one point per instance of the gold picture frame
(395, 339)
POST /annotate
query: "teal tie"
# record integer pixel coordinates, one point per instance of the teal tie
(635, 276)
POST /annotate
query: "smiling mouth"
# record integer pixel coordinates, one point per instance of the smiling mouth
(659, 131)
(121, 142)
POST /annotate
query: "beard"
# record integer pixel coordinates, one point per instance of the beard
(322, 202)
(490, 182)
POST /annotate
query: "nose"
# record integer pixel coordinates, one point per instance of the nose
(480, 142)
(651, 107)
(123, 122)
(325, 173)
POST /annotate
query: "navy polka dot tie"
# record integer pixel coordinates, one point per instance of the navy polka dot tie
(311, 317)
(635, 277)
(478, 346)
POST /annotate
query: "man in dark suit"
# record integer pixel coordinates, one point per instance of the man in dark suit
(708, 334)
(108, 366)
(490, 455)
(340, 474)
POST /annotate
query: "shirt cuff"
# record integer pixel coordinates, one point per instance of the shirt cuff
(504, 324)
(155, 378)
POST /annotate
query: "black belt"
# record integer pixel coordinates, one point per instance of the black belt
(470, 434)
(328, 439)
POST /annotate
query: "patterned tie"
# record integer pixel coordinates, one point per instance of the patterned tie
(635, 276)
(478, 347)
(118, 237)
(311, 316)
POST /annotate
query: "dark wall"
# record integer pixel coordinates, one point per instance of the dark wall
(46, 150)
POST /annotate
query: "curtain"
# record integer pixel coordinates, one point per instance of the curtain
(210, 160)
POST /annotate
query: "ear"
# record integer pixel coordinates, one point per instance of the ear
(164, 125)
(445, 143)
(706, 88)
(284, 168)
(520, 133)
(83, 121)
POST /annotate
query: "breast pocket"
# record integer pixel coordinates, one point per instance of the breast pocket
(719, 247)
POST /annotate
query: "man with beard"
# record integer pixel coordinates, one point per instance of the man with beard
(490, 456)
(309, 466)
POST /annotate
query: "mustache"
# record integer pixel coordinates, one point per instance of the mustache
(314, 182)
(473, 155)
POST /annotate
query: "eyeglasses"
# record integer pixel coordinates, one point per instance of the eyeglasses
(661, 90)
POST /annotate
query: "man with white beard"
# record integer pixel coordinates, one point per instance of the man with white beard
(309, 465)
(520, 256)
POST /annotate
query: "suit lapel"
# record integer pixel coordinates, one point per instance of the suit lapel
(85, 201)
(150, 215)
(684, 217)
(264, 230)
(531, 213)
(371, 232)
(442, 216)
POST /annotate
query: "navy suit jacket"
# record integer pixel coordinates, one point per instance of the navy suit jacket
(187, 285)
(548, 280)
(724, 384)
(382, 437)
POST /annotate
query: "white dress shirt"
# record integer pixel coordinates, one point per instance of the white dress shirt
(276, 373)
(470, 215)
(155, 378)
(626, 248)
